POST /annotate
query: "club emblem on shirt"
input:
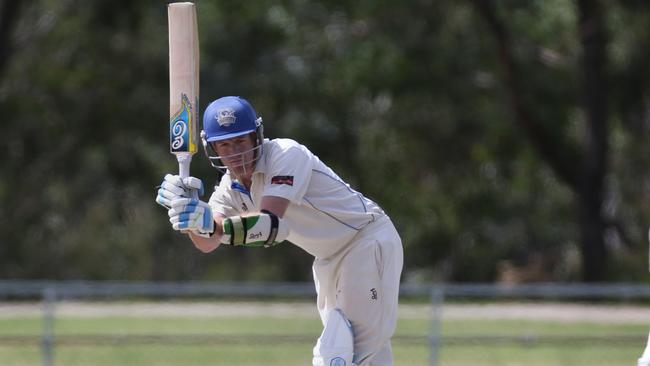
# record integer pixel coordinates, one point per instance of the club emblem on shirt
(282, 179)
(373, 293)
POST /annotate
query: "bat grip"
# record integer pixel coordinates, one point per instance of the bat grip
(184, 161)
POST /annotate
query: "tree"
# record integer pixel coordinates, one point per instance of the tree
(491, 132)
(587, 181)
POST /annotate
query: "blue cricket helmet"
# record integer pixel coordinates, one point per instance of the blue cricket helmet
(229, 117)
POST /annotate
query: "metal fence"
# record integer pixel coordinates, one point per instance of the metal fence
(51, 292)
(617, 293)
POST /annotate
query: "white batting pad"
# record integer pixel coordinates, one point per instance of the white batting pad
(335, 346)
(645, 358)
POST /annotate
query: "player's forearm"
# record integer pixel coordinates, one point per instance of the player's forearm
(277, 205)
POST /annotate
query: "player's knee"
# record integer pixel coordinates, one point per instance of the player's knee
(335, 346)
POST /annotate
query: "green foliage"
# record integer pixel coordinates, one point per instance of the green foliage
(407, 101)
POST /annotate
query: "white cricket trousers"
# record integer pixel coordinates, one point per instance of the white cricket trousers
(363, 281)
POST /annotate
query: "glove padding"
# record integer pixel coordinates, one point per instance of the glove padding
(173, 187)
(191, 214)
(262, 230)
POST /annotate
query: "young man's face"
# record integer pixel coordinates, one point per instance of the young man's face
(237, 154)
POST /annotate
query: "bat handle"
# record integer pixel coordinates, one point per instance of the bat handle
(184, 161)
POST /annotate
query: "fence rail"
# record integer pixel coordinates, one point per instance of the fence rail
(99, 289)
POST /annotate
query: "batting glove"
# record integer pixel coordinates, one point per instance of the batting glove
(173, 187)
(191, 214)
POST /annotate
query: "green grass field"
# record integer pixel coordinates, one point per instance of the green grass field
(253, 340)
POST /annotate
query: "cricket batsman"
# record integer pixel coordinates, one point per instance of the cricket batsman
(276, 190)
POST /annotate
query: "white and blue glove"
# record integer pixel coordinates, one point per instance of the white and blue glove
(173, 187)
(191, 214)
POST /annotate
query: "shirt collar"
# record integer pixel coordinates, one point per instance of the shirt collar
(238, 187)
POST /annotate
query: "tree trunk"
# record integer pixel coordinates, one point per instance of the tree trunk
(9, 12)
(587, 182)
(594, 84)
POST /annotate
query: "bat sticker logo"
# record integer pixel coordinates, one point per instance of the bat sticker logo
(225, 117)
(180, 129)
(178, 132)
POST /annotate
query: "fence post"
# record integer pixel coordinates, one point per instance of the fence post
(49, 300)
(435, 338)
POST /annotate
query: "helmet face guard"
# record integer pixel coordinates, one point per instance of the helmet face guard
(217, 160)
(226, 118)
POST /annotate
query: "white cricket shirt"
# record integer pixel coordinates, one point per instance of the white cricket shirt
(324, 213)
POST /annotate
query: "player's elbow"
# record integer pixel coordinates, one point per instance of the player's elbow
(204, 245)
(203, 248)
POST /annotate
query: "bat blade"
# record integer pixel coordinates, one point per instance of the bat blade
(183, 83)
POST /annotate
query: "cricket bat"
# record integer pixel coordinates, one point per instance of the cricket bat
(183, 83)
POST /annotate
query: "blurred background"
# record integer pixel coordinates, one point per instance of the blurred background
(508, 140)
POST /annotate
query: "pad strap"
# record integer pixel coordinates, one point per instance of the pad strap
(239, 230)
(275, 222)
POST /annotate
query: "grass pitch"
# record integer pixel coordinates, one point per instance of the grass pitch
(253, 339)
